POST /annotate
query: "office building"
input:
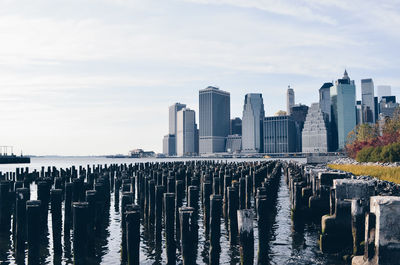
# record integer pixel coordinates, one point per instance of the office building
(279, 134)
(315, 133)
(377, 109)
(173, 110)
(367, 100)
(233, 143)
(298, 114)
(289, 99)
(359, 112)
(388, 106)
(384, 91)
(236, 126)
(325, 99)
(169, 145)
(343, 100)
(214, 115)
(186, 132)
(252, 123)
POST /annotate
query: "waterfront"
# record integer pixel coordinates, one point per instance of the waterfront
(288, 244)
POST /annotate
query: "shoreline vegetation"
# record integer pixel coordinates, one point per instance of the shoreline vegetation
(391, 174)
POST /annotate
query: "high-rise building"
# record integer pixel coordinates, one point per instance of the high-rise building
(316, 131)
(359, 112)
(298, 114)
(289, 99)
(186, 132)
(236, 126)
(367, 100)
(214, 108)
(233, 143)
(384, 91)
(279, 134)
(343, 100)
(377, 109)
(252, 123)
(169, 145)
(388, 106)
(325, 99)
(173, 110)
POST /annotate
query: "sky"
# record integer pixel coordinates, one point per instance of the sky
(95, 77)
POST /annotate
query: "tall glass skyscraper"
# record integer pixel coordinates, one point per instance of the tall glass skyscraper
(343, 100)
(186, 132)
(252, 123)
(367, 101)
(289, 100)
(214, 119)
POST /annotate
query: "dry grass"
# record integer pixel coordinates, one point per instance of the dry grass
(385, 173)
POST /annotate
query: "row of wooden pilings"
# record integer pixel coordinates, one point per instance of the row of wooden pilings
(162, 197)
(347, 209)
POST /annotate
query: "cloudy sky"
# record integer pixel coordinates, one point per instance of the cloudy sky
(94, 77)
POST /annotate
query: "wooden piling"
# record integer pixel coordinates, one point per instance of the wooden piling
(246, 235)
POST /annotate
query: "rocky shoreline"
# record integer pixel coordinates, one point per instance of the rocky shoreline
(350, 161)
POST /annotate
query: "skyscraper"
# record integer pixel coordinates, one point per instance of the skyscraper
(325, 99)
(367, 100)
(298, 115)
(169, 142)
(214, 116)
(252, 123)
(236, 126)
(279, 134)
(315, 132)
(343, 100)
(186, 132)
(384, 91)
(289, 99)
(173, 110)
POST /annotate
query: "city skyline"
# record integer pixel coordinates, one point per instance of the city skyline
(96, 77)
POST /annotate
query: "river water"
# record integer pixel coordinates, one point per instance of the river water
(289, 243)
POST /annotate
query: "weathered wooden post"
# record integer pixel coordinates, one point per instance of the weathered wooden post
(262, 217)
(133, 235)
(56, 219)
(169, 208)
(215, 228)
(188, 237)
(179, 194)
(22, 196)
(246, 234)
(207, 189)
(233, 206)
(80, 242)
(33, 219)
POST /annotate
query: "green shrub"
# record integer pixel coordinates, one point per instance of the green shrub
(364, 155)
(391, 153)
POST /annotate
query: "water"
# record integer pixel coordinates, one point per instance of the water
(289, 243)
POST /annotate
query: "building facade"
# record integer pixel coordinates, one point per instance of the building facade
(186, 132)
(169, 145)
(279, 135)
(298, 114)
(214, 116)
(252, 123)
(384, 91)
(343, 100)
(233, 143)
(367, 100)
(289, 99)
(325, 99)
(173, 110)
(388, 106)
(236, 126)
(315, 133)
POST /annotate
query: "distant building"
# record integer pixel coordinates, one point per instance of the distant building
(214, 108)
(325, 99)
(359, 112)
(169, 145)
(384, 91)
(315, 133)
(186, 132)
(289, 99)
(280, 113)
(252, 123)
(279, 134)
(173, 110)
(387, 106)
(367, 100)
(236, 126)
(377, 109)
(139, 153)
(343, 100)
(298, 114)
(233, 143)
